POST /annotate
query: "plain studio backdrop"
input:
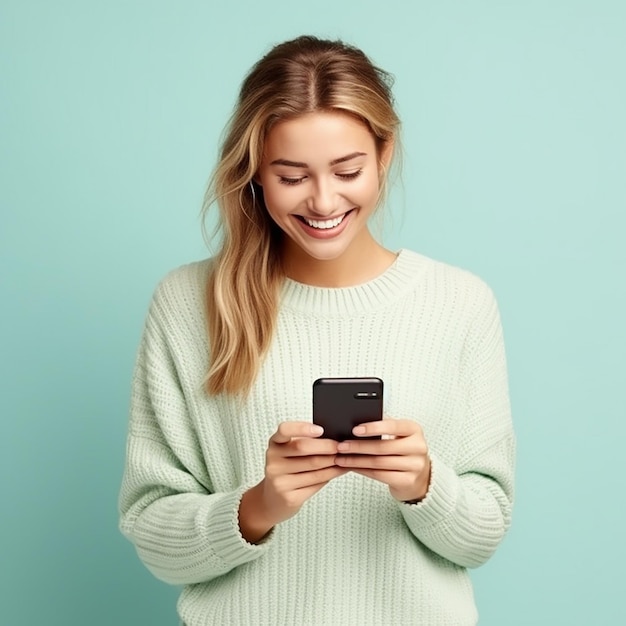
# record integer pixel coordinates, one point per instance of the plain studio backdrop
(514, 135)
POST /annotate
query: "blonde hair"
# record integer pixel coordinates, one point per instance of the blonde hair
(300, 76)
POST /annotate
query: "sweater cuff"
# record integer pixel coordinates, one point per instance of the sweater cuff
(228, 543)
(440, 500)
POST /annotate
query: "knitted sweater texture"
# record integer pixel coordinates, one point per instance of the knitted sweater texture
(352, 554)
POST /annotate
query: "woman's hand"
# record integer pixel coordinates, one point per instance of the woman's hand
(297, 465)
(400, 461)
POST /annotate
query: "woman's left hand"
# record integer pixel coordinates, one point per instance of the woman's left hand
(400, 461)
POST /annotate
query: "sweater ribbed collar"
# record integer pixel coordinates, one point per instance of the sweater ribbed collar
(378, 293)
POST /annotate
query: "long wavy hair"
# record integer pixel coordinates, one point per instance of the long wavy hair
(297, 77)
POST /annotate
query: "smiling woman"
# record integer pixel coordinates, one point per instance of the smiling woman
(330, 198)
(229, 488)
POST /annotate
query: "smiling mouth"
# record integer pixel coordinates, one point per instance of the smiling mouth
(324, 224)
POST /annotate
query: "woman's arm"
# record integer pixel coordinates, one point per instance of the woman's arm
(182, 532)
(460, 512)
(467, 509)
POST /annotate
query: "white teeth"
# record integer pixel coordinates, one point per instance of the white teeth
(324, 224)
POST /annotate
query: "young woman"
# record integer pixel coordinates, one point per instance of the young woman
(229, 488)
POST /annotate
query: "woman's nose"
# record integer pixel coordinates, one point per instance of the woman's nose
(323, 202)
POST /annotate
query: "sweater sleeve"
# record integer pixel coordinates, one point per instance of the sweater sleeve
(183, 531)
(467, 509)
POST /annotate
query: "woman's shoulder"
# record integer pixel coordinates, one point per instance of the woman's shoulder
(182, 290)
(446, 281)
(187, 277)
(441, 271)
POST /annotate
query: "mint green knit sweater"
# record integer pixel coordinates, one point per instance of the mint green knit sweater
(353, 554)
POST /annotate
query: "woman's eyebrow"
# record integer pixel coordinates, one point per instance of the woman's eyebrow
(348, 157)
(342, 159)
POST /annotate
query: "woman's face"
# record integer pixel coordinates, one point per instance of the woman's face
(320, 179)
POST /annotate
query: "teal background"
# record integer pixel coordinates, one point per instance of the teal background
(515, 160)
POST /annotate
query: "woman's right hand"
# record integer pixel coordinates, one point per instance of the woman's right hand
(297, 465)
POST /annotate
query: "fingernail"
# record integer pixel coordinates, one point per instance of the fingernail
(343, 447)
(359, 430)
(316, 430)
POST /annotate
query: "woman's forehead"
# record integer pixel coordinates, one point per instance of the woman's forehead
(327, 137)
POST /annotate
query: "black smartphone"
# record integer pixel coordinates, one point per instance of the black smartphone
(340, 404)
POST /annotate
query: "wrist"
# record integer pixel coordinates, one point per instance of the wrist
(254, 524)
(421, 490)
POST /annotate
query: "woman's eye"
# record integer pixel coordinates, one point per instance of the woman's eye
(283, 180)
(350, 175)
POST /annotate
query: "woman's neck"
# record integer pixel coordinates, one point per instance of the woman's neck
(360, 263)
